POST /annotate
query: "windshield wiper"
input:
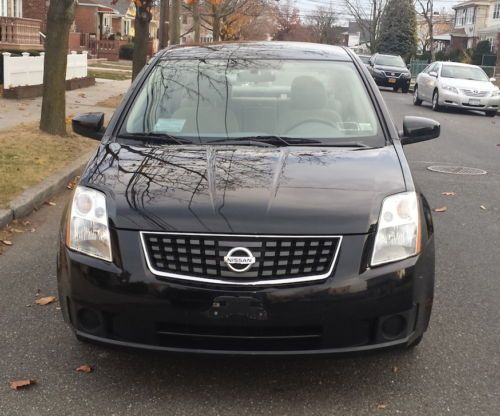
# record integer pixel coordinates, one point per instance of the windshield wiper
(356, 145)
(163, 137)
(268, 140)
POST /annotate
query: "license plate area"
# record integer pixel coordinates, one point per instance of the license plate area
(473, 101)
(392, 80)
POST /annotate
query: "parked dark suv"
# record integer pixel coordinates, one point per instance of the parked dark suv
(249, 198)
(390, 71)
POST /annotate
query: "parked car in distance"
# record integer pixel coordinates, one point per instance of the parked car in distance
(450, 84)
(390, 71)
(249, 198)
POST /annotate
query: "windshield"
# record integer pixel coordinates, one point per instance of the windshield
(464, 72)
(209, 100)
(389, 60)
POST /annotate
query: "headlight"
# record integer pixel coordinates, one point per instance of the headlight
(88, 230)
(398, 234)
(450, 88)
(495, 93)
(406, 75)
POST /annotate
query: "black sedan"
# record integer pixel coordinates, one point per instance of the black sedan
(249, 198)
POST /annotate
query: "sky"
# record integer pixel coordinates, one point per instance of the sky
(307, 7)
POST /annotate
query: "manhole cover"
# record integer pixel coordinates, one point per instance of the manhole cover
(457, 170)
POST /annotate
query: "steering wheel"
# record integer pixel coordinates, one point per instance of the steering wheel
(313, 120)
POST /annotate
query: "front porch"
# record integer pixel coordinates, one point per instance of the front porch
(19, 34)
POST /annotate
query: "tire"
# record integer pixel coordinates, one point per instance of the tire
(491, 113)
(405, 89)
(395, 89)
(416, 101)
(435, 101)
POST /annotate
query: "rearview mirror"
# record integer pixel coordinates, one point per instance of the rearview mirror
(493, 80)
(89, 125)
(433, 74)
(419, 129)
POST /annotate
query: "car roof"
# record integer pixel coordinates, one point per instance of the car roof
(456, 64)
(258, 50)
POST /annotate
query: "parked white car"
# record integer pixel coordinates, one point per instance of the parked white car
(450, 84)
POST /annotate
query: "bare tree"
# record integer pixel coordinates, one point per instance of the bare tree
(59, 19)
(367, 14)
(427, 12)
(324, 24)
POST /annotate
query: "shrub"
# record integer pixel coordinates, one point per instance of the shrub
(126, 51)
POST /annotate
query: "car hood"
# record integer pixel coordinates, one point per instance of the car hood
(468, 84)
(244, 190)
(391, 68)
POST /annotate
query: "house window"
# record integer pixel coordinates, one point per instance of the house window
(18, 8)
(460, 18)
(469, 17)
(496, 11)
(3, 7)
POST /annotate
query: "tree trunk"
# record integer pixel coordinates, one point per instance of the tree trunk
(59, 19)
(164, 17)
(175, 29)
(196, 21)
(141, 39)
(215, 25)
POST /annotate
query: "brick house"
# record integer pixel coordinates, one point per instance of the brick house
(470, 18)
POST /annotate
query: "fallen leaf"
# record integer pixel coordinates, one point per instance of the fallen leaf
(483, 207)
(16, 230)
(85, 368)
(26, 223)
(395, 369)
(442, 209)
(45, 300)
(448, 193)
(17, 384)
(82, 95)
(7, 242)
(381, 406)
(51, 203)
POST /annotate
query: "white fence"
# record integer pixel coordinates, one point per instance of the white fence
(19, 71)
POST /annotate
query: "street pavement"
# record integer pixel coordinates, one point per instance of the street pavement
(455, 371)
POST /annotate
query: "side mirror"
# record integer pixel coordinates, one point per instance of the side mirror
(433, 74)
(408, 66)
(370, 63)
(493, 80)
(89, 125)
(419, 129)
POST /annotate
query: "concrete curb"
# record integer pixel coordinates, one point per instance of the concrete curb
(34, 197)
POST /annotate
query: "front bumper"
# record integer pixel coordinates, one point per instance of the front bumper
(385, 81)
(451, 99)
(351, 311)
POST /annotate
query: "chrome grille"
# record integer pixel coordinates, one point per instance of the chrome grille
(278, 259)
(475, 93)
(392, 74)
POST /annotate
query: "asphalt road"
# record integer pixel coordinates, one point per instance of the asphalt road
(454, 371)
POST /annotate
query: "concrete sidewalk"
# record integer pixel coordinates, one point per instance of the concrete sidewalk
(14, 112)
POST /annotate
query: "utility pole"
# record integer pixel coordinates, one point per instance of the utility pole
(174, 23)
(164, 15)
(431, 31)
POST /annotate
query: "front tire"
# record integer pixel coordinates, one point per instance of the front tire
(395, 89)
(416, 101)
(435, 101)
(491, 113)
(405, 89)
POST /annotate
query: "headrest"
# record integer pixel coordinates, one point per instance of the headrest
(308, 93)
